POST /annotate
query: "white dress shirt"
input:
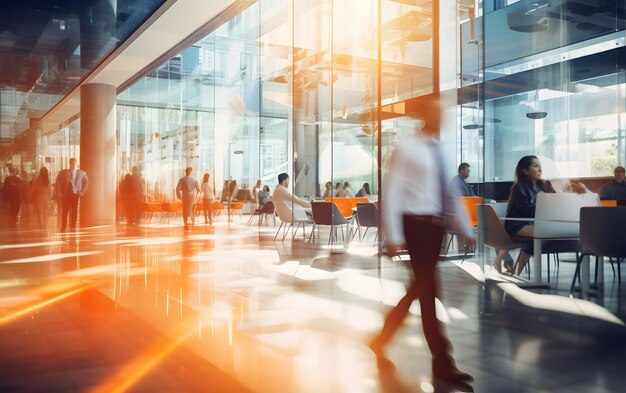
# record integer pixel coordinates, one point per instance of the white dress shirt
(187, 188)
(79, 181)
(284, 197)
(413, 186)
(207, 191)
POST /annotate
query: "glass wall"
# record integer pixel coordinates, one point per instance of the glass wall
(545, 78)
(285, 86)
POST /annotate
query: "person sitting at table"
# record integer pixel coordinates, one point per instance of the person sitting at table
(364, 191)
(616, 188)
(283, 197)
(348, 190)
(328, 192)
(339, 192)
(264, 195)
(522, 204)
(458, 182)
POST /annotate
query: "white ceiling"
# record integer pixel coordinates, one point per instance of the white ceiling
(173, 22)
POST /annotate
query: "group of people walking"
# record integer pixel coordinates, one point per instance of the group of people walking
(21, 195)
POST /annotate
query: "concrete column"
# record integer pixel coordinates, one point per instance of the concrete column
(98, 153)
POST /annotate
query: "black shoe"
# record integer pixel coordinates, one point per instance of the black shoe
(451, 374)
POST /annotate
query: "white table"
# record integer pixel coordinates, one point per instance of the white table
(537, 253)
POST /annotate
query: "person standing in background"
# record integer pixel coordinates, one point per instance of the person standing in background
(187, 191)
(417, 209)
(41, 197)
(74, 183)
(11, 193)
(208, 195)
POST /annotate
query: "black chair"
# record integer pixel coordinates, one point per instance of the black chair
(265, 210)
(327, 214)
(601, 235)
(366, 217)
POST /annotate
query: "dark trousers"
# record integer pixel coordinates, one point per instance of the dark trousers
(70, 205)
(13, 211)
(423, 239)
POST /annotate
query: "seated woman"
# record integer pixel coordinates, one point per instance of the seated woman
(364, 191)
(522, 204)
(328, 193)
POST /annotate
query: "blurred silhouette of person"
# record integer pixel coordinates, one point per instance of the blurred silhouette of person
(73, 184)
(458, 181)
(26, 196)
(255, 190)
(616, 188)
(42, 192)
(364, 191)
(339, 192)
(131, 193)
(208, 195)
(418, 207)
(328, 192)
(264, 195)
(348, 190)
(187, 191)
(12, 195)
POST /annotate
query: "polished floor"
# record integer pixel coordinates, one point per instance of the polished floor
(225, 308)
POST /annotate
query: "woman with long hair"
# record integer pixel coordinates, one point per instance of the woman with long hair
(41, 196)
(328, 192)
(208, 194)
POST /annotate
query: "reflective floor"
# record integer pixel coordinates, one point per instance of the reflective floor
(224, 308)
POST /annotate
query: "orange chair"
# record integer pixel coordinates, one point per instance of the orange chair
(609, 203)
(236, 207)
(469, 203)
(217, 208)
(344, 205)
(356, 201)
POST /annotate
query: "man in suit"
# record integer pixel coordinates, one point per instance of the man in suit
(71, 184)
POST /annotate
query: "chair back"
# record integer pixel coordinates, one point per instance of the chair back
(343, 204)
(552, 208)
(601, 231)
(493, 233)
(268, 208)
(327, 213)
(608, 203)
(367, 214)
(500, 208)
(469, 203)
(356, 200)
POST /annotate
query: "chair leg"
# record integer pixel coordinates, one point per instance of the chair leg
(576, 273)
(612, 266)
(293, 235)
(548, 267)
(278, 231)
(287, 228)
(312, 235)
(595, 276)
(619, 270)
(449, 244)
(343, 235)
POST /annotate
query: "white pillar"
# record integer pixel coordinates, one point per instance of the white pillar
(98, 157)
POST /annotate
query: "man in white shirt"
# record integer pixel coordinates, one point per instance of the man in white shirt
(72, 183)
(284, 197)
(187, 190)
(417, 208)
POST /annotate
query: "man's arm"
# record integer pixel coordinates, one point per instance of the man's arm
(85, 184)
(300, 202)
